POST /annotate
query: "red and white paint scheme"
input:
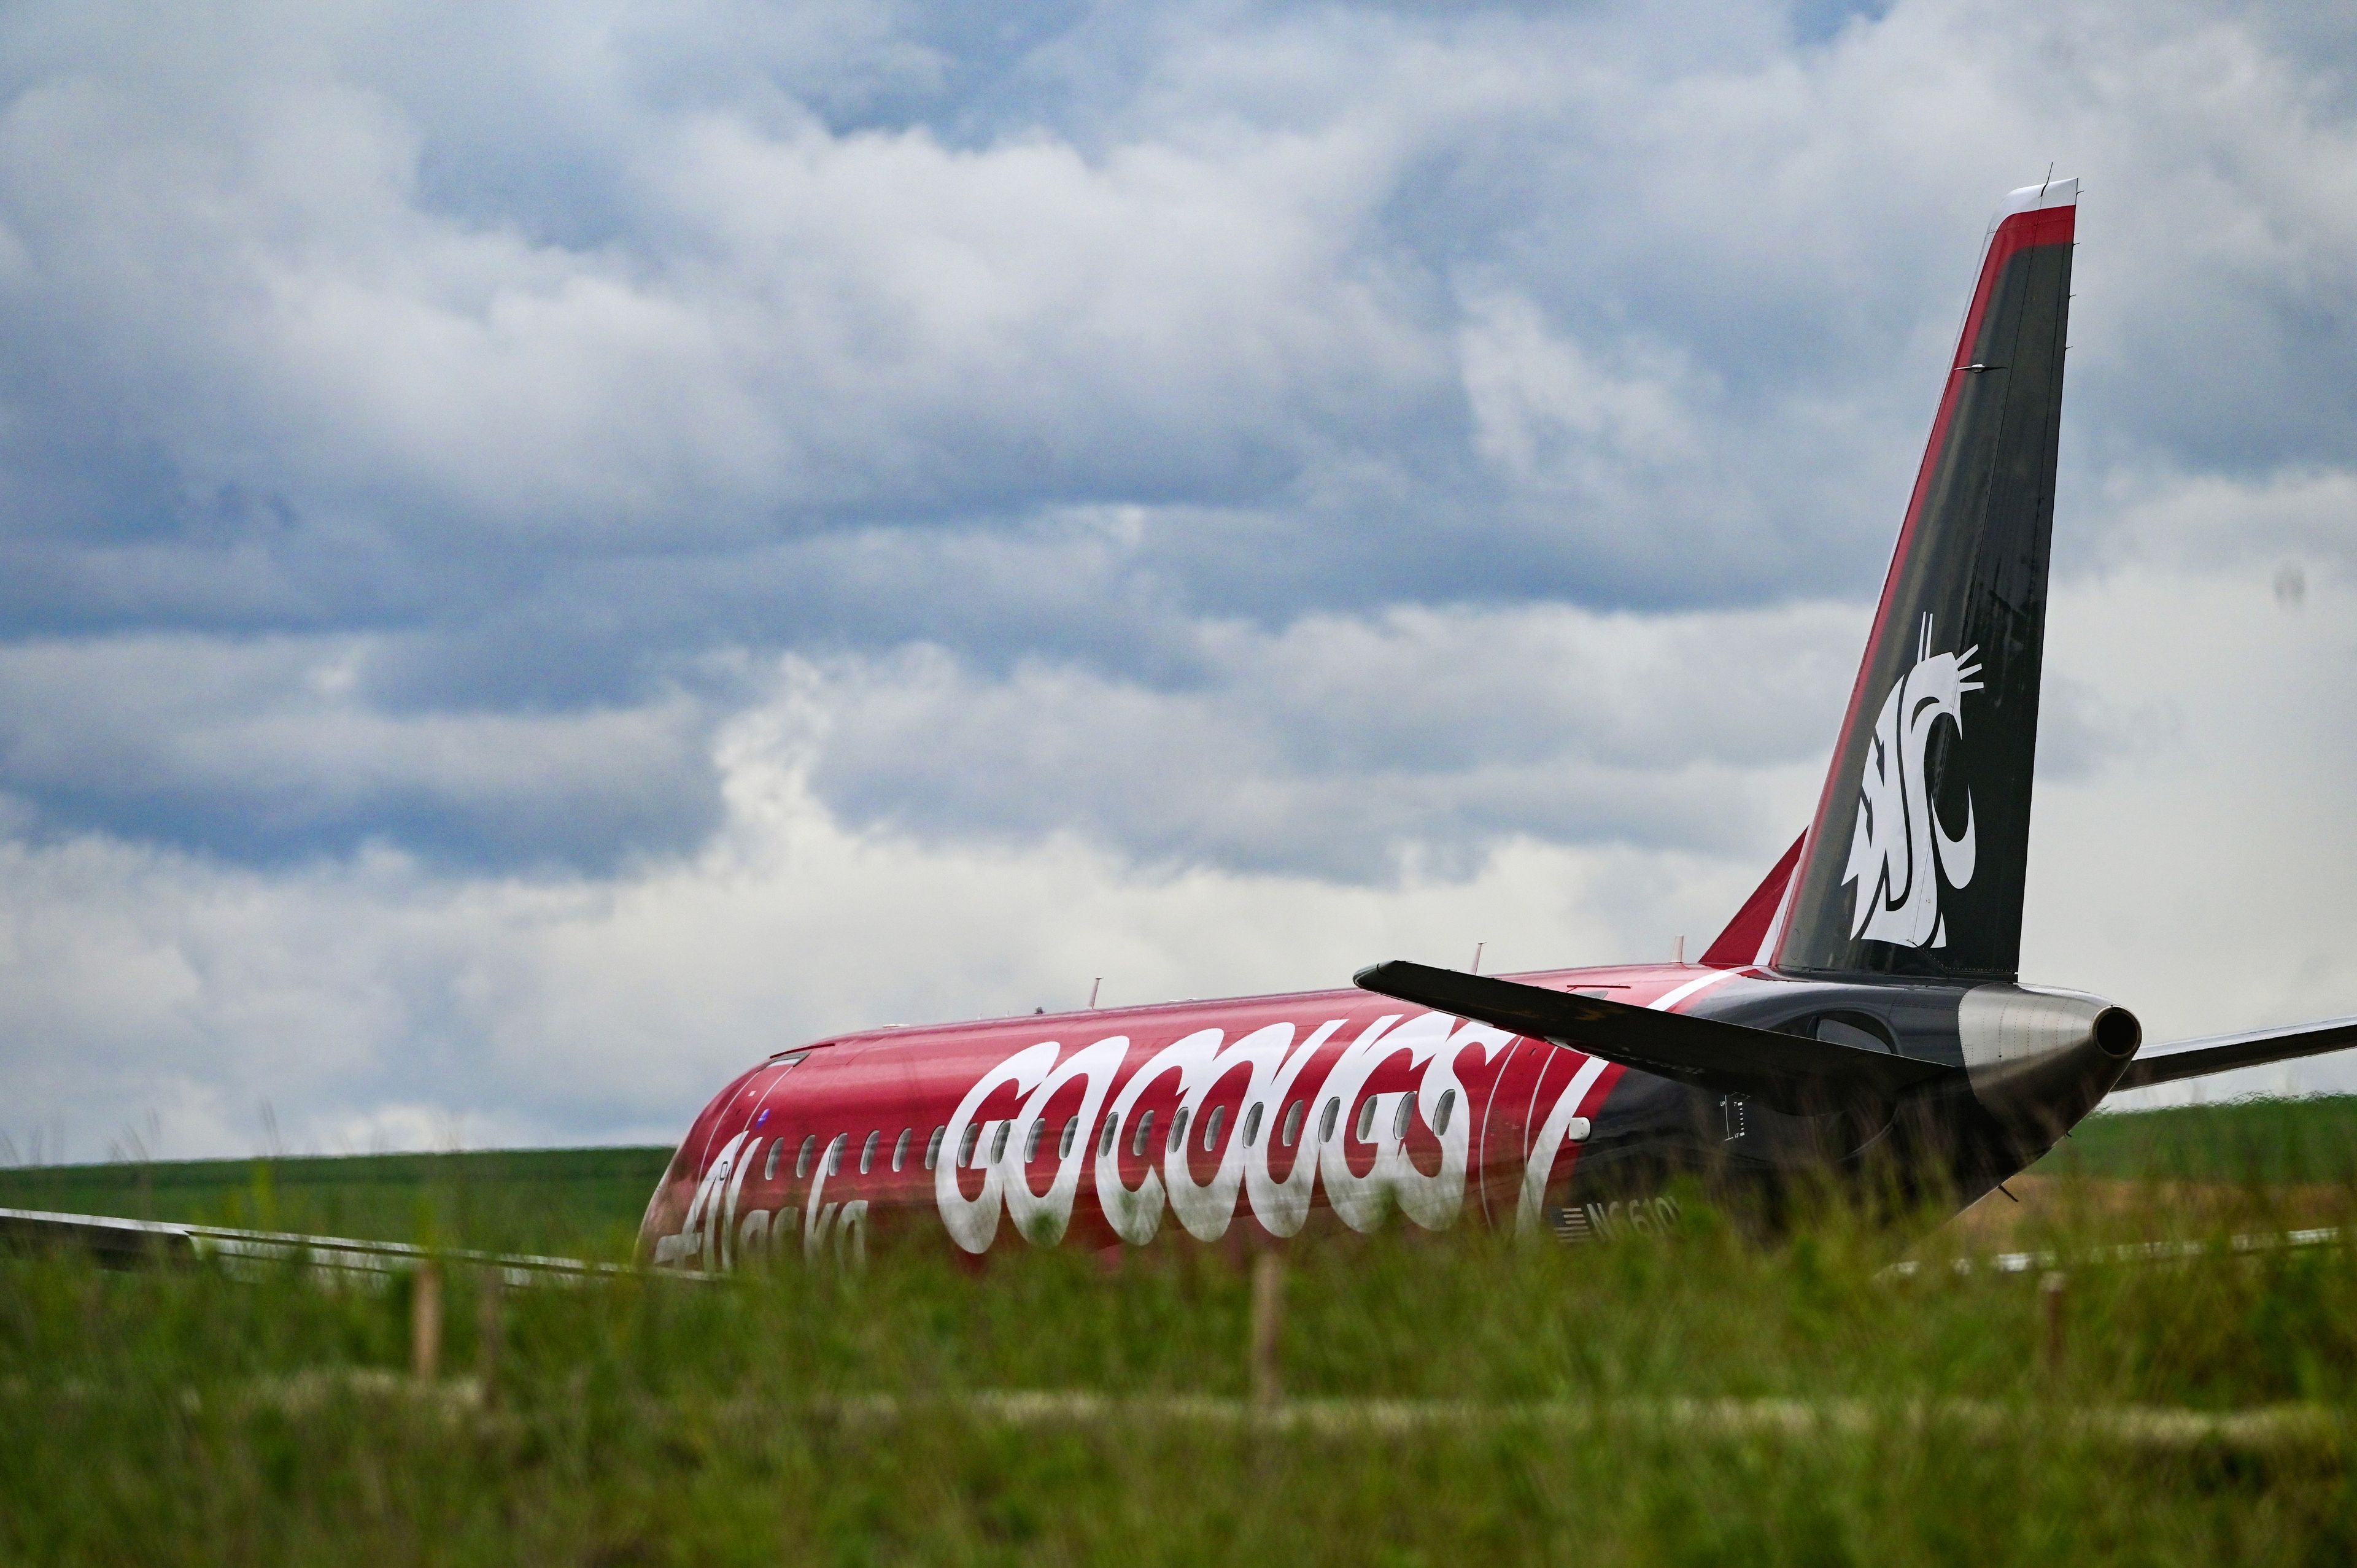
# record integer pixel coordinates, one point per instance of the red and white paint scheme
(1861, 1015)
(1110, 1126)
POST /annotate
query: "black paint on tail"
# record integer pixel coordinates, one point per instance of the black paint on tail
(1914, 864)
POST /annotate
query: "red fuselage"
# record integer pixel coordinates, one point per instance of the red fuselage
(1096, 1128)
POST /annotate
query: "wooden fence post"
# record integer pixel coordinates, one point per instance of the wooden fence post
(2050, 1299)
(426, 1321)
(490, 1330)
(1267, 1326)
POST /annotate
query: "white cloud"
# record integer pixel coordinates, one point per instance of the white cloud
(1547, 414)
(890, 516)
(1350, 746)
(370, 999)
(2198, 875)
(1247, 274)
(2202, 876)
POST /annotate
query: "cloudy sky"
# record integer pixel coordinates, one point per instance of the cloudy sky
(547, 551)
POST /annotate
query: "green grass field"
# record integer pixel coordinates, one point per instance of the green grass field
(587, 1202)
(574, 1202)
(193, 1417)
(190, 1417)
(2241, 1141)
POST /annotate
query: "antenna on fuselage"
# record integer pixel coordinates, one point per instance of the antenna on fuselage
(1093, 991)
(1477, 956)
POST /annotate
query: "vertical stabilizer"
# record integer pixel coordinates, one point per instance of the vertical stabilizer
(1914, 864)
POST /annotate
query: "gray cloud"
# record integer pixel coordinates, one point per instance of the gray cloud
(1346, 747)
(271, 750)
(321, 318)
(2199, 874)
(459, 474)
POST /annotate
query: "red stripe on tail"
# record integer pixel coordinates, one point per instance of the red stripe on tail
(1739, 946)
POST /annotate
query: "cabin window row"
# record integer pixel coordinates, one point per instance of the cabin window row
(807, 1156)
(1141, 1134)
(1289, 1130)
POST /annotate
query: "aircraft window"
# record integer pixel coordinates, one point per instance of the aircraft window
(933, 1147)
(1072, 1135)
(1292, 1128)
(900, 1149)
(867, 1152)
(769, 1165)
(1842, 1031)
(1447, 1104)
(998, 1145)
(835, 1154)
(1211, 1127)
(1326, 1122)
(1178, 1131)
(1145, 1130)
(1399, 1122)
(967, 1143)
(1252, 1124)
(1031, 1139)
(802, 1160)
(1112, 1132)
(1366, 1118)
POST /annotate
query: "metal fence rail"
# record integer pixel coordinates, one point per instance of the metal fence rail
(2041, 1263)
(144, 1243)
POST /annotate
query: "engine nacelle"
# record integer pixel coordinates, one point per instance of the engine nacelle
(2038, 1061)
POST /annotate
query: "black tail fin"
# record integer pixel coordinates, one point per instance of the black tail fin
(1914, 864)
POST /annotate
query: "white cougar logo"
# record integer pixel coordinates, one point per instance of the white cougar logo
(1900, 837)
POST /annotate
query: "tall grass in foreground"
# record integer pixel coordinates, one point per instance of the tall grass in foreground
(191, 1417)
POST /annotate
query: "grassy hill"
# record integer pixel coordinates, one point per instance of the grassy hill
(576, 1202)
(2271, 1141)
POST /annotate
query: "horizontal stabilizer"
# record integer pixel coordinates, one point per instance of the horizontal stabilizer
(2224, 1053)
(1790, 1072)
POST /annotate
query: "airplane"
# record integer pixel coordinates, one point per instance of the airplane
(1860, 1021)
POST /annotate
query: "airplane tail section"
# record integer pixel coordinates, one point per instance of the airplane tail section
(1915, 861)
